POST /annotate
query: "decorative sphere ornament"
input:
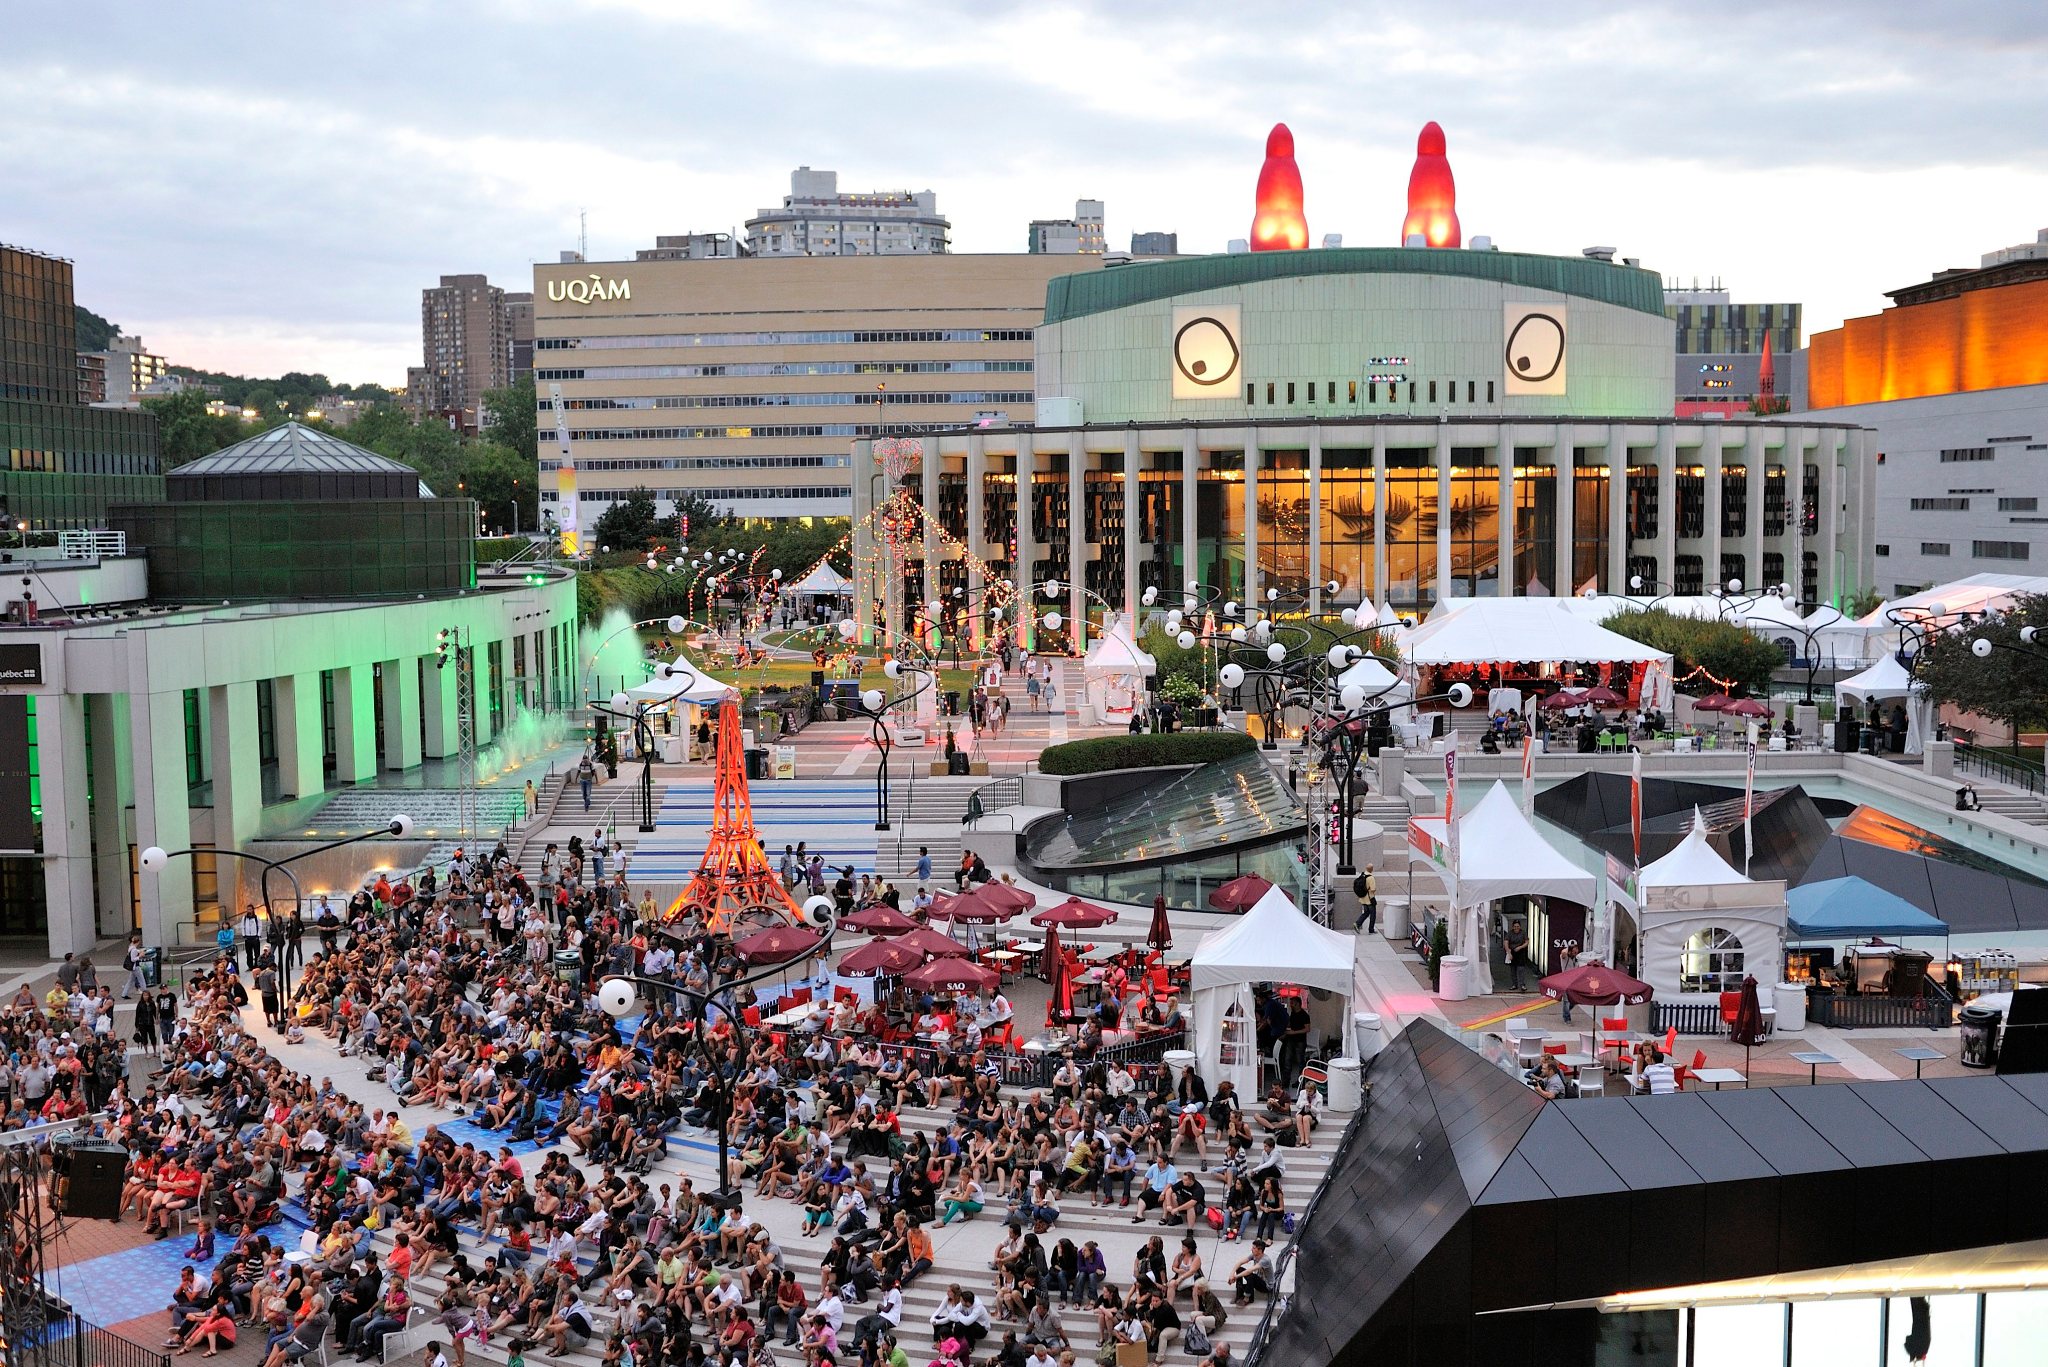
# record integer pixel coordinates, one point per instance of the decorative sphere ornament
(1276, 652)
(677, 623)
(872, 700)
(620, 702)
(894, 669)
(1053, 621)
(1981, 648)
(848, 628)
(1461, 695)
(1052, 588)
(1186, 640)
(1352, 697)
(1232, 675)
(154, 859)
(616, 996)
(1237, 633)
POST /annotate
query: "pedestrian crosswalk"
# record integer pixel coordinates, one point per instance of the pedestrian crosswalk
(836, 820)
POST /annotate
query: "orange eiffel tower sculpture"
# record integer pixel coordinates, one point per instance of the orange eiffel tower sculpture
(734, 880)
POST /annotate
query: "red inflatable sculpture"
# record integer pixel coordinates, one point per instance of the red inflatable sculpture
(1432, 194)
(1278, 224)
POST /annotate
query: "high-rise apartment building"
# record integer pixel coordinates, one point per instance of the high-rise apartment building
(1721, 350)
(92, 377)
(1079, 235)
(816, 220)
(519, 332)
(692, 247)
(743, 382)
(466, 338)
(1155, 244)
(131, 372)
(61, 463)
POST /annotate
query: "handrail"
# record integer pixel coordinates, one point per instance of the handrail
(2007, 769)
(1276, 1304)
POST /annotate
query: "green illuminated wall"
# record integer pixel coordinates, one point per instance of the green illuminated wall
(269, 551)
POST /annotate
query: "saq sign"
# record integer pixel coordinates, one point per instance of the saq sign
(594, 290)
(21, 664)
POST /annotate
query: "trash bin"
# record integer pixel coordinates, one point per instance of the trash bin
(757, 763)
(956, 763)
(952, 702)
(1178, 1062)
(1451, 977)
(1347, 1088)
(153, 966)
(1394, 923)
(1367, 1041)
(569, 965)
(672, 749)
(1978, 1027)
(1790, 999)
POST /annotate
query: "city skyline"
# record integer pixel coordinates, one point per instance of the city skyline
(254, 214)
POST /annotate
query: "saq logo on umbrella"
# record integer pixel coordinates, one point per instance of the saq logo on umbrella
(1208, 349)
(1534, 346)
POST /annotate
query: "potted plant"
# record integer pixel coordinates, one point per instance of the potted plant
(1439, 946)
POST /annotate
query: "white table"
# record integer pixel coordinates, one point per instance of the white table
(1718, 1076)
(1920, 1054)
(1813, 1059)
(796, 1015)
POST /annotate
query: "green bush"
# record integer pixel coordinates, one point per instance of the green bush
(1144, 751)
(1439, 946)
(1725, 650)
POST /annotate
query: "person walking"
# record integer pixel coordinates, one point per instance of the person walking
(1366, 887)
(532, 800)
(586, 774)
(1031, 688)
(1518, 953)
(131, 959)
(924, 864)
(1051, 690)
(250, 931)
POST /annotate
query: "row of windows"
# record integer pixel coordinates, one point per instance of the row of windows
(1941, 505)
(2018, 505)
(1372, 391)
(744, 494)
(1999, 550)
(711, 463)
(825, 336)
(787, 429)
(79, 462)
(843, 399)
(1954, 454)
(782, 369)
(1934, 548)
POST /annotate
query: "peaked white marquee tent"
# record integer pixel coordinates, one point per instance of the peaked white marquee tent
(1700, 918)
(1271, 943)
(821, 582)
(1885, 682)
(1506, 630)
(1115, 670)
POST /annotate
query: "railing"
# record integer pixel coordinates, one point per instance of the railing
(1691, 1018)
(1276, 1304)
(1934, 1011)
(991, 797)
(68, 1339)
(1999, 768)
(78, 545)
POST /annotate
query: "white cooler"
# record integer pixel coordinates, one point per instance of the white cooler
(1347, 1088)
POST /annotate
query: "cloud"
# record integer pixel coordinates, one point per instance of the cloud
(266, 177)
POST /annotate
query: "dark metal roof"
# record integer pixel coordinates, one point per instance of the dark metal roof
(291, 449)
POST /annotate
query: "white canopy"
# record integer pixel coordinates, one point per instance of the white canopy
(1502, 630)
(1888, 680)
(1271, 943)
(688, 685)
(1377, 681)
(821, 582)
(1116, 651)
(1692, 862)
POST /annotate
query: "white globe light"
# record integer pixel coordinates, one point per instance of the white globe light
(1352, 697)
(1635, 581)
(995, 614)
(1237, 633)
(620, 702)
(1194, 583)
(1230, 608)
(1151, 596)
(1231, 675)
(1981, 648)
(401, 825)
(934, 607)
(1276, 652)
(1053, 621)
(1187, 603)
(1461, 695)
(1339, 656)
(1330, 586)
(671, 569)
(1186, 640)
(616, 996)
(1589, 592)
(775, 574)
(1265, 629)
(677, 623)
(1052, 588)
(847, 628)
(2027, 634)
(153, 859)
(1349, 617)
(818, 911)
(1173, 620)
(1272, 595)
(1734, 586)
(960, 592)
(872, 700)
(894, 669)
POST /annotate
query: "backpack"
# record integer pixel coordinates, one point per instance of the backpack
(1194, 1340)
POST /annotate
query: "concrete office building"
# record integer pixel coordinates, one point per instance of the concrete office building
(816, 220)
(1954, 380)
(1155, 244)
(692, 247)
(1721, 347)
(519, 335)
(466, 344)
(138, 709)
(1411, 423)
(132, 373)
(742, 381)
(1068, 236)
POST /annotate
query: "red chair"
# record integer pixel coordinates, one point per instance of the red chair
(1671, 1041)
(1731, 1003)
(1613, 1034)
(1558, 1048)
(1699, 1059)
(799, 996)
(752, 1015)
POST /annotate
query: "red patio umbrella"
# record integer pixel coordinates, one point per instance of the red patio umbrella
(1074, 913)
(1746, 707)
(1558, 701)
(1049, 961)
(982, 905)
(880, 958)
(1008, 894)
(1160, 935)
(952, 975)
(1595, 985)
(1748, 1029)
(1713, 702)
(1241, 893)
(879, 919)
(1062, 982)
(1602, 697)
(928, 943)
(777, 944)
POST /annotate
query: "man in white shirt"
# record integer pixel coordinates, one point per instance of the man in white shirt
(832, 1308)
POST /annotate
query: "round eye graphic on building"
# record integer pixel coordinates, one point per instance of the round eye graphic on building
(1204, 351)
(1535, 348)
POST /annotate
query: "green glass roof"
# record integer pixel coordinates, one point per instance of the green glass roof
(1077, 296)
(291, 449)
(1198, 813)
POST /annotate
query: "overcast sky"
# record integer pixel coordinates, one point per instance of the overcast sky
(259, 187)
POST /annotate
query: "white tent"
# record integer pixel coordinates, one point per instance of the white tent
(1115, 670)
(821, 582)
(1888, 681)
(1500, 854)
(1271, 943)
(1691, 862)
(1696, 906)
(1506, 630)
(687, 685)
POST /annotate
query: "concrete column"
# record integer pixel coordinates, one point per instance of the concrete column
(301, 745)
(1618, 546)
(1077, 539)
(934, 544)
(1828, 522)
(1315, 520)
(67, 830)
(1251, 517)
(480, 674)
(113, 787)
(237, 763)
(1504, 585)
(401, 684)
(1132, 540)
(355, 721)
(1443, 511)
(1027, 545)
(863, 542)
(156, 746)
(1754, 460)
(1667, 503)
(977, 541)
(1379, 515)
(1565, 463)
(1190, 524)
(1710, 461)
(1795, 498)
(438, 702)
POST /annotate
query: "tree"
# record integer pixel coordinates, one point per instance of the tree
(1862, 603)
(1734, 654)
(185, 431)
(500, 480)
(629, 524)
(514, 422)
(2009, 684)
(94, 332)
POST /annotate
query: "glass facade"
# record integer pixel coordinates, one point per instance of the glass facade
(366, 548)
(38, 335)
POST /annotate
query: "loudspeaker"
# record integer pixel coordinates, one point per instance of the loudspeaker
(96, 1175)
(1848, 735)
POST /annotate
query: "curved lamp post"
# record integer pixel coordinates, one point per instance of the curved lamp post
(879, 705)
(155, 859)
(625, 709)
(617, 994)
